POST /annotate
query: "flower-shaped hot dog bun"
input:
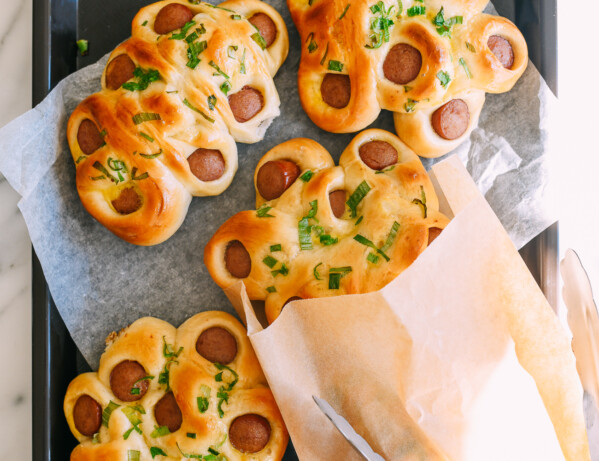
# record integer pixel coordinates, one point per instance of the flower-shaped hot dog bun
(435, 57)
(192, 80)
(178, 393)
(325, 230)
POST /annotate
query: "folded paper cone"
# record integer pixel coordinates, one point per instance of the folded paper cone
(460, 357)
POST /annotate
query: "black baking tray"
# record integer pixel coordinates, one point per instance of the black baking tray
(57, 24)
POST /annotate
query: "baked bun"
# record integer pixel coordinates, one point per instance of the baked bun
(361, 57)
(307, 241)
(178, 393)
(192, 80)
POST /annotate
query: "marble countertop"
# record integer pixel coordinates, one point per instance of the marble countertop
(15, 246)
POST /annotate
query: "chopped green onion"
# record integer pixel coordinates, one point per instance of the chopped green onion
(364, 241)
(327, 240)
(211, 102)
(231, 51)
(151, 156)
(108, 411)
(171, 92)
(335, 65)
(145, 117)
(236, 17)
(262, 212)
(81, 158)
(83, 46)
(97, 178)
(359, 220)
(143, 79)
(133, 455)
(416, 11)
(409, 106)
(194, 51)
(399, 8)
(192, 107)
(218, 69)
(313, 209)
(283, 271)
(312, 45)
(203, 404)
(96, 438)
(344, 11)
(201, 30)
(356, 197)
(421, 202)
(391, 168)
(343, 270)
(324, 57)
(145, 23)
(391, 236)
(465, 66)
(407, 88)
(223, 368)
(135, 391)
(470, 47)
(181, 35)
(140, 177)
(315, 271)
(160, 431)
(259, 40)
(192, 37)
(155, 451)
(212, 451)
(444, 78)
(116, 165)
(242, 63)
(335, 275)
(305, 239)
(271, 289)
(146, 136)
(191, 435)
(444, 26)
(98, 166)
(276, 247)
(372, 258)
(307, 176)
(225, 87)
(270, 261)
(380, 25)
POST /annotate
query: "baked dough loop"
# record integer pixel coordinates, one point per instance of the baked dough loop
(172, 105)
(303, 244)
(361, 57)
(191, 406)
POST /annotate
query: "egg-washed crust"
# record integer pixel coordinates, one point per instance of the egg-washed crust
(396, 195)
(158, 346)
(150, 158)
(342, 31)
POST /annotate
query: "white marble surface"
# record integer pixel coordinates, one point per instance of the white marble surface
(15, 247)
(577, 194)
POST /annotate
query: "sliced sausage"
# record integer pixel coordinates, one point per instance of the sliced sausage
(275, 177)
(124, 377)
(433, 233)
(217, 345)
(402, 64)
(378, 154)
(451, 120)
(87, 415)
(337, 201)
(127, 202)
(502, 48)
(265, 26)
(119, 71)
(172, 17)
(89, 137)
(207, 164)
(167, 412)
(246, 103)
(249, 433)
(336, 90)
(237, 260)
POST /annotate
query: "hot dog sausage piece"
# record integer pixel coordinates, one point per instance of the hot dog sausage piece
(502, 48)
(237, 260)
(337, 200)
(246, 103)
(127, 202)
(265, 26)
(336, 90)
(402, 64)
(87, 415)
(249, 433)
(167, 412)
(217, 345)
(451, 120)
(88, 137)
(119, 71)
(207, 164)
(125, 377)
(378, 154)
(172, 17)
(275, 177)
(433, 233)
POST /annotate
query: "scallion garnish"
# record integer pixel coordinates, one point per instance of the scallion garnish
(262, 212)
(283, 270)
(83, 46)
(192, 37)
(145, 117)
(335, 65)
(444, 78)
(380, 25)
(372, 258)
(231, 51)
(399, 8)
(160, 431)
(465, 66)
(356, 197)
(315, 272)
(470, 47)
(194, 51)
(223, 392)
(211, 102)
(193, 455)
(146, 136)
(276, 247)
(407, 88)
(327, 239)
(391, 168)
(145, 23)
(410, 105)
(140, 177)
(305, 239)
(97, 178)
(271, 289)
(344, 11)
(225, 87)
(218, 69)
(203, 401)
(259, 40)
(108, 411)
(307, 176)
(313, 209)
(312, 45)
(444, 26)
(96, 438)
(270, 261)
(155, 451)
(236, 17)
(98, 166)
(191, 435)
(80, 159)
(192, 107)
(144, 78)
(416, 10)
(324, 57)
(212, 451)
(151, 156)
(391, 236)
(335, 275)
(181, 35)
(133, 455)
(421, 202)
(364, 241)
(242, 63)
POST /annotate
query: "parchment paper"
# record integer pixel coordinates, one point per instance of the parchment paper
(100, 283)
(486, 373)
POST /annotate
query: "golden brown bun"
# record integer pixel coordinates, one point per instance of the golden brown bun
(391, 199)
(345, 40)
(190, 374)
(165, 192)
